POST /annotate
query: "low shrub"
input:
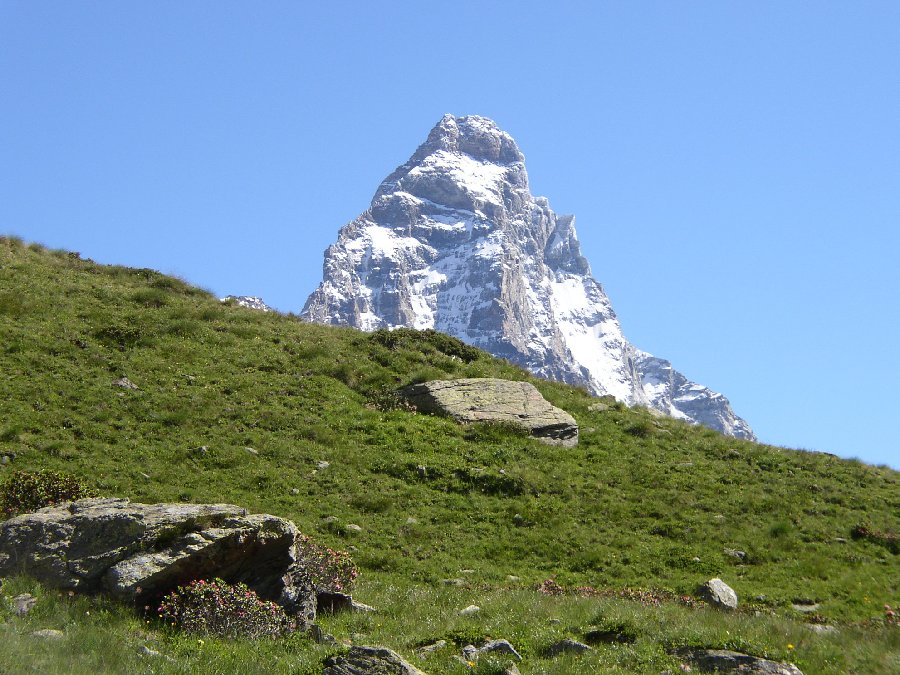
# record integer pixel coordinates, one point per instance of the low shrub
(642, 429)
(608, 630)
(331, 571)
(551, 587)
(780, 529)
(222, 609)
(386, 397)
(464, 635)
(119, 336)
(150, 297)
(26, 491)
(887, 539)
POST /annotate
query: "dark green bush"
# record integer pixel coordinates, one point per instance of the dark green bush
(10, 434)
(26, 491)
(150, 297)
(641, 429)
(119, 336)
(608, 630)
(425, 341)
(465, 635)
(780, 529)
(385, 397)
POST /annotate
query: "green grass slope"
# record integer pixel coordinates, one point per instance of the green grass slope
(641, 502)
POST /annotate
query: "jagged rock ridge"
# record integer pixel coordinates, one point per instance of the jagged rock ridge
(248, 301)
(454, 240)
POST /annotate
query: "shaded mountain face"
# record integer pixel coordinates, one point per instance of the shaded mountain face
(455, 241)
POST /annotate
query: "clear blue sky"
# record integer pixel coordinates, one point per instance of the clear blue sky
(734, 167)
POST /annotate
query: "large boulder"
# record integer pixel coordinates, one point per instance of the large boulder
(495, 400)
(139, 552)
(718, 594)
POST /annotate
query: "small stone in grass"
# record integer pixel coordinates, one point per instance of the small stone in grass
(49, 634)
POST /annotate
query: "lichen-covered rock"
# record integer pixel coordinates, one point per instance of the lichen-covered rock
(369, 661)
(724, 661)
(138, 552)
(495, 400)
(719, 594)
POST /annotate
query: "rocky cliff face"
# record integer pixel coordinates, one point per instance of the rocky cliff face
(454, 240)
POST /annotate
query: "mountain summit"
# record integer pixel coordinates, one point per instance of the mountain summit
(455, 241)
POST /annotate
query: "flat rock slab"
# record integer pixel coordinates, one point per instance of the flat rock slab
(494, 400)
(724, 661)
(139, 552)
(369, 661)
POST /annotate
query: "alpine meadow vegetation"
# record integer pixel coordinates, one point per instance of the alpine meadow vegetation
(611, 537)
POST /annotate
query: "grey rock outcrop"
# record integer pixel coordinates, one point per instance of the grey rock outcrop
(138, 552)
(494, 400)
(369, 661)
(735, 553)
(724, 661)
(719, 594)
(497, 647)
(454, 240)
(566, 646)
(425, 651)
(248, 301)
(125, 383)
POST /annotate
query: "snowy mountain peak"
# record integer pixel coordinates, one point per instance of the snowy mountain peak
(478, 137)
(454, 240)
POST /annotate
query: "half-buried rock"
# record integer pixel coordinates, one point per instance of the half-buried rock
(139, 552)
(494, 400)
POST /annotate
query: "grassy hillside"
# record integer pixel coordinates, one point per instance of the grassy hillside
(640, 503)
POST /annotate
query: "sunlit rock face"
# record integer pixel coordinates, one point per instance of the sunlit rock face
(455, 241)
